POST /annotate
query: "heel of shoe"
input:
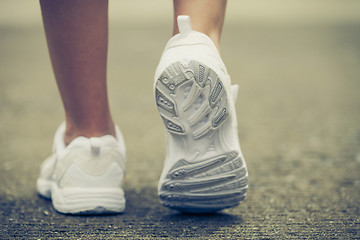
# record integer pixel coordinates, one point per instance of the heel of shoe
(209, 185)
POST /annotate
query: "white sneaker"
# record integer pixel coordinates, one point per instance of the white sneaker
(85, 177)
(204, 169)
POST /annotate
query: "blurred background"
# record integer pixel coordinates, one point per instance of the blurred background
(297, 64)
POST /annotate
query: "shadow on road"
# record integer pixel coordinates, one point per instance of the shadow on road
(33, 216)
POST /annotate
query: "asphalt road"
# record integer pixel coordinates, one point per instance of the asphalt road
(299, 126)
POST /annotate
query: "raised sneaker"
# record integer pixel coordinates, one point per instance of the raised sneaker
(204, 169)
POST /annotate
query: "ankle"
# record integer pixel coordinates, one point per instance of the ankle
(88, 130)
(215, 38)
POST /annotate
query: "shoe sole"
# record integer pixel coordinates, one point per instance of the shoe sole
(83, 201)
(193, 104)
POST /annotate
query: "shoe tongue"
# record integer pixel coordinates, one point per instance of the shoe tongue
(184, 24)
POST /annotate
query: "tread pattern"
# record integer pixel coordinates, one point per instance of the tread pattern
(209, 185)
(203, 99)
(193, 103)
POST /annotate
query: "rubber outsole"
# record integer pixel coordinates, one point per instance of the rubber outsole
(83, 201)
(193, 104)
(80, 201)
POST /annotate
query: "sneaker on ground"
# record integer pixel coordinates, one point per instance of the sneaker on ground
(204, 170)
(85, 177)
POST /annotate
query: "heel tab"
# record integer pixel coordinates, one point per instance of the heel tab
(95, 145)
(184, 24)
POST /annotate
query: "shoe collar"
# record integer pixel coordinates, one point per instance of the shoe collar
(187, 36)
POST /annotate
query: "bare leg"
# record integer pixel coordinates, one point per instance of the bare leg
(77, 36)
(207, 16)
